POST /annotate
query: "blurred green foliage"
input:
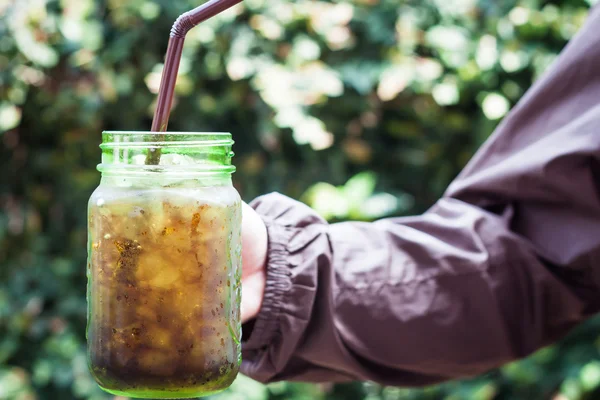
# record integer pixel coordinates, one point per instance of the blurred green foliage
(361, 108)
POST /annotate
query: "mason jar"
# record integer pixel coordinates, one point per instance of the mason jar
(164, 266)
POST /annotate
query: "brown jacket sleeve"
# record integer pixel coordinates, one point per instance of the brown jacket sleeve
(505, 263)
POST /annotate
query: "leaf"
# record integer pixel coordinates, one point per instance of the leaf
(10, 117)
(327, 200)
(38, 52)
(362, 75)
(359, 188)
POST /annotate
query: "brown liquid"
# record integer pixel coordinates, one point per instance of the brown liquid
(163, 302)
(172, 59)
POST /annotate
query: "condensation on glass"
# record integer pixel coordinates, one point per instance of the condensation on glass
(164, 266)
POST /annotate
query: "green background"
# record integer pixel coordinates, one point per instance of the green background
(361, 108)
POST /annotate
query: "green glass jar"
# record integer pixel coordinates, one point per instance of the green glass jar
(164, 266)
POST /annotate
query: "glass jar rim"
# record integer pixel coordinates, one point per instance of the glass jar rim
(160, 139)
(124, 152)
(176, 133)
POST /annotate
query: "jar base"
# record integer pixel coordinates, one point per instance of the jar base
(157, 394)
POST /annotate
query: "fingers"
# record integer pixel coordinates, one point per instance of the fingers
(254, 258)
(254, 242)
(253, 288)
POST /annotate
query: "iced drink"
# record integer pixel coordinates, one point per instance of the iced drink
(164, 259)
(164, 290)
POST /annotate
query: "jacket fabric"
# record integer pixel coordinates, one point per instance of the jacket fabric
(506, 262)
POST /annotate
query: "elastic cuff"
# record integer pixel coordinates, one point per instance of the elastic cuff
(278, 282)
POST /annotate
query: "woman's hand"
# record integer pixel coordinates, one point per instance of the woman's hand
(254, 258)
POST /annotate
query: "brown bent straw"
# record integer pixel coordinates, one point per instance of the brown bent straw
(181, 27)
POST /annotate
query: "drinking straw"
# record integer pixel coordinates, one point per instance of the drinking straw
(181, 27)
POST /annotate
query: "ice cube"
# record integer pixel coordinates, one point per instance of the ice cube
(176, 159)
